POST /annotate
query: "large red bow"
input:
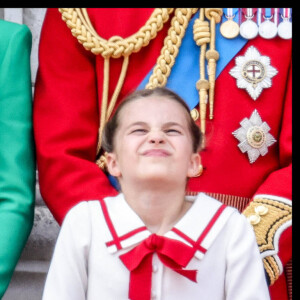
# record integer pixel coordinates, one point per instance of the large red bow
(172, 253)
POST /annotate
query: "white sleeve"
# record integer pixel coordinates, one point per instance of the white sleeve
(67, 278)
(245, 275)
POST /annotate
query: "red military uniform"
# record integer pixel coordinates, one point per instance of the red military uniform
(248, 147)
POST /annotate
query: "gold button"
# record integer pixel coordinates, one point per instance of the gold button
(254, 219)
(261, 210)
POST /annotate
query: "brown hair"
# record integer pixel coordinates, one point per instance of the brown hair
(111, 126)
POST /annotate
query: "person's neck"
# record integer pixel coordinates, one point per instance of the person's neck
(160, 206)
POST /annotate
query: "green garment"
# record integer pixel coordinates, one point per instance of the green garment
(17, 152)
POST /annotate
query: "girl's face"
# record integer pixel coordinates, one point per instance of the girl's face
(153, 143)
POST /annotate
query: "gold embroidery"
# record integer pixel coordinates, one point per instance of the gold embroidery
(271, 268)
(78, 21)
(272, 215)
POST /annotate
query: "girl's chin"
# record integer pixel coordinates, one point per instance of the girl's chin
(162, 176)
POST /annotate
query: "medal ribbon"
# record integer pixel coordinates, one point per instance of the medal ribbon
(276, 16)
(258, 16)
(267, 13)
(230, 13)
(285, 13)
(172, 253)
(248, 14)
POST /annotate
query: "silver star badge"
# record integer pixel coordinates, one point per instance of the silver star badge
(253, 72)
(254, 136)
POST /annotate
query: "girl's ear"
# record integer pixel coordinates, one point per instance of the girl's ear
(112, 164)
(195, 165)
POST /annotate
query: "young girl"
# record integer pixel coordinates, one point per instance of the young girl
(151, 241)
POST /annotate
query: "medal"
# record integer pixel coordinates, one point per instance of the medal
(248, 28)
(267, 29)
(285, 27)
(285, 30)
(229, 29)
(254, 136)
(253, 72)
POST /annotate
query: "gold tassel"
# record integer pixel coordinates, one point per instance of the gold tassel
(202, 38)
(212, 55)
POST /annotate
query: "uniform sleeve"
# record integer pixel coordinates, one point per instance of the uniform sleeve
(68, 273)
(271, 208)
(17, 155)
(245, 276)
(66, 120)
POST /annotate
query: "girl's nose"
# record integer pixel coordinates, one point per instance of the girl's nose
(156, 138)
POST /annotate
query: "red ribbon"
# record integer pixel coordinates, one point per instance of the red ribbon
(172, 253)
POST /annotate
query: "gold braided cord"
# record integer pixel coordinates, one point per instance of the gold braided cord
(106, 109)
(117, 88)
(104, 102)
(202, 38)
(78, 21)
(171, 46)
(215, 16)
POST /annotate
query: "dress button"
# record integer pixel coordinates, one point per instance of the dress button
(154, 268)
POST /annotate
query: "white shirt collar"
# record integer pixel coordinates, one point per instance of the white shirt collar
(203, 220)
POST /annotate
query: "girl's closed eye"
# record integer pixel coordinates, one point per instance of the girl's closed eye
(139, 131)
(173, 131)
(173, 128)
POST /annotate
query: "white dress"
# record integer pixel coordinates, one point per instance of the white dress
(86, 263)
